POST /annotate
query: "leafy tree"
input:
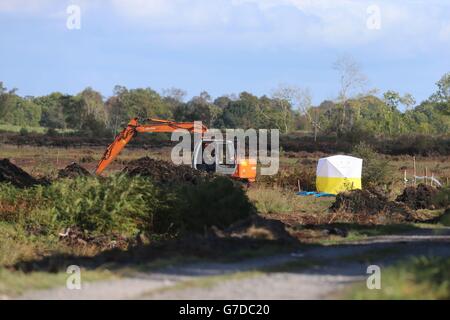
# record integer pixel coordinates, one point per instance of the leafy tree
(72, 110)
(17, 110)
(222, 102)
(393, 99)
(141, 103)
(92, 106)
(5, 101)
(443, 92)
(199, 108)
(52, 111)
(354, 116)
(241, 113)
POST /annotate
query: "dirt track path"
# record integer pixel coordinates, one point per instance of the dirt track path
(335, 267)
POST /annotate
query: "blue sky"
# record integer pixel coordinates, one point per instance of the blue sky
(222, 46)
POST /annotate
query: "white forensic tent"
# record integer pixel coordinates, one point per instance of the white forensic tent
(338, 173)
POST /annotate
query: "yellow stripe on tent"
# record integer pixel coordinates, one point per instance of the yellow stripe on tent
(335, 185)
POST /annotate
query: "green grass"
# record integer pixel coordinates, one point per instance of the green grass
(272, 200)
(417, 278)
(17, 243)
(359, 232)
(15, 283)
(379, 230)
(275, 200)
(17, 129)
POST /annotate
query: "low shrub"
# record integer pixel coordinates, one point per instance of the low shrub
(118, 204)
(51, 132)
(376, 170)
(218, 202)
(123, 206)
(442, 198)
(17, 202)
(23, 131)
(445, 218)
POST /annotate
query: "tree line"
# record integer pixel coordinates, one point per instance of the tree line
(289, 108)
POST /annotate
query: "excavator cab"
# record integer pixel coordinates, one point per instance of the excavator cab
(223, 159)
(215, 156)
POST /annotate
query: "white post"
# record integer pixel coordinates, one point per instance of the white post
(404, 179)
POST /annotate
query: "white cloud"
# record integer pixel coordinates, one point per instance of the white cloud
(174, 14)
(145, 8)
(296, 23)
(336, 23)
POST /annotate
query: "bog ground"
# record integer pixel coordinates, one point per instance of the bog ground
(192, 236)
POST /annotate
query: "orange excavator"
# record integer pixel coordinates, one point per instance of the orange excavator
(225, 160)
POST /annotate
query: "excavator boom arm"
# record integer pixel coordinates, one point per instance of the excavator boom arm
(133, 127)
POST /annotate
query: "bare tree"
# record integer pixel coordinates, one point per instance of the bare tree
(115, 114)
(351, 80)
(299, 99)
(291, 96)
(408, 101)
(302, 101)
(175, 94)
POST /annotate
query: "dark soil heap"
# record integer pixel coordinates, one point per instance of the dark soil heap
(15, 175)
(291, 179)
(164, 172)
(369, 202)
(72, 171)
(420, 197)
(357, 201)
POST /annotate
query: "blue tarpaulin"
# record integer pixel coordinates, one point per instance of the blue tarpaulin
(315, 194)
